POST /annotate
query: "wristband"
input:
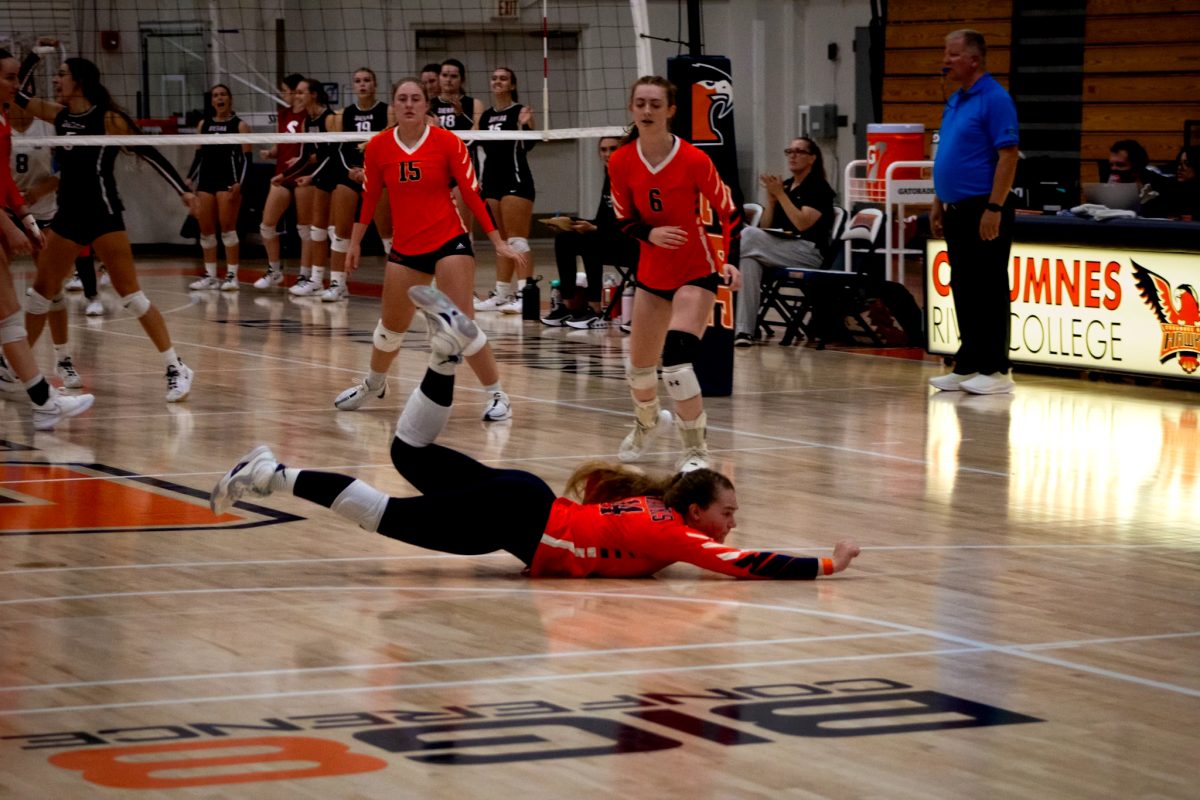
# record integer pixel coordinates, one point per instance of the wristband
(995, 207)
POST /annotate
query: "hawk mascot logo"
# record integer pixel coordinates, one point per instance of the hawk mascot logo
(1178, 313)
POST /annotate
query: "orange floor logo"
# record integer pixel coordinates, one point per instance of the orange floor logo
(42, 498)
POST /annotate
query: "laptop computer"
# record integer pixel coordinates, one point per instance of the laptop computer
(1113, 195)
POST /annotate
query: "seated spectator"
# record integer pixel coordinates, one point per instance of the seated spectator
(598, 242)
(1182, 196)
(798, 216)
(1128, 162)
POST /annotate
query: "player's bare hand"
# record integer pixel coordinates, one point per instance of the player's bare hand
(304, 180)
(668, 238)
(844, 552)
(192, 202)
(33, 232)
(353, 255)
(525, 117)
(504, 250)
(15, 242)
(733, 277)
(583, 226)
(357, 175)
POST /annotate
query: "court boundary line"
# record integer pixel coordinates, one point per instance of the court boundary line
(964, 645)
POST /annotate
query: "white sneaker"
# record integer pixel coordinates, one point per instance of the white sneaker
(353, 398)
(9, 382)
(60, 407)
(693, 459)
(102, 277)
(635, 445)
(70, 376)
(74, 284)
(94, 308)
(336, 291)
(587, 319)
(230, 284)
(205, 283)
(270, 280)
(492, 303)
(498, 408)
(179, 382)
(951, 381)
(303, 287)
(991, 383)
(451, 332)
(252, 474)
(513, 305)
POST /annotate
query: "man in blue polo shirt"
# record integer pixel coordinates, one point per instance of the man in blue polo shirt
(972, 178)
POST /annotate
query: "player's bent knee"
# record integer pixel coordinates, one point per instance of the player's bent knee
(317, 234)
(35, 303)
(386, 340)
(12, 327)
(137, 304)
(681, 382)
(229, 238)
(642, 378)
(519, 243)
(268, 232)
(208, 240)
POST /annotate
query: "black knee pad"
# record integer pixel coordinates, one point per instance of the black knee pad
(680, 348)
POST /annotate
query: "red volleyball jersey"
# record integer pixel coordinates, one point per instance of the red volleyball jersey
(418, 185)
(10, 195)
(288, 121)
(669, 194)
(638, 536)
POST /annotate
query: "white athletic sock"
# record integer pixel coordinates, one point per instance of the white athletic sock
(493, 388)
(318, 275)
(284, 480)
(421, 421)
(275, 266)
(520, 284)
(337, 277)
(502, 288)
(231, 269)
(362, 504)
(169, 356)
(305, 272)
(210, 269)
(375, 379)
(62, 351)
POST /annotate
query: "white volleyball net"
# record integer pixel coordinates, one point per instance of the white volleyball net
(574, 63)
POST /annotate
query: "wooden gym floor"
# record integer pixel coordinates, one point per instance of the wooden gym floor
(1023, 622)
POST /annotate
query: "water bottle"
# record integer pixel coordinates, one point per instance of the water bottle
(531, 299)
(627, 305)
(555, 295)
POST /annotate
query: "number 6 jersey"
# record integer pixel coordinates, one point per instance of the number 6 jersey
(668, 195)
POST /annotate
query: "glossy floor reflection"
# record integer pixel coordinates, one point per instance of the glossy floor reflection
(1024, 619)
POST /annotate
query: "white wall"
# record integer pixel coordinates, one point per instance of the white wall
(777, 49)
(778, 53)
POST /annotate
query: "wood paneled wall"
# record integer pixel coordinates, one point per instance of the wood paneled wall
(1141, 76)
(1141, 68)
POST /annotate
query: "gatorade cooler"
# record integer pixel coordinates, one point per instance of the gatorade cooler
(888, 143)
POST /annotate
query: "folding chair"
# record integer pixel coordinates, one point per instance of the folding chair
(814, 303)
